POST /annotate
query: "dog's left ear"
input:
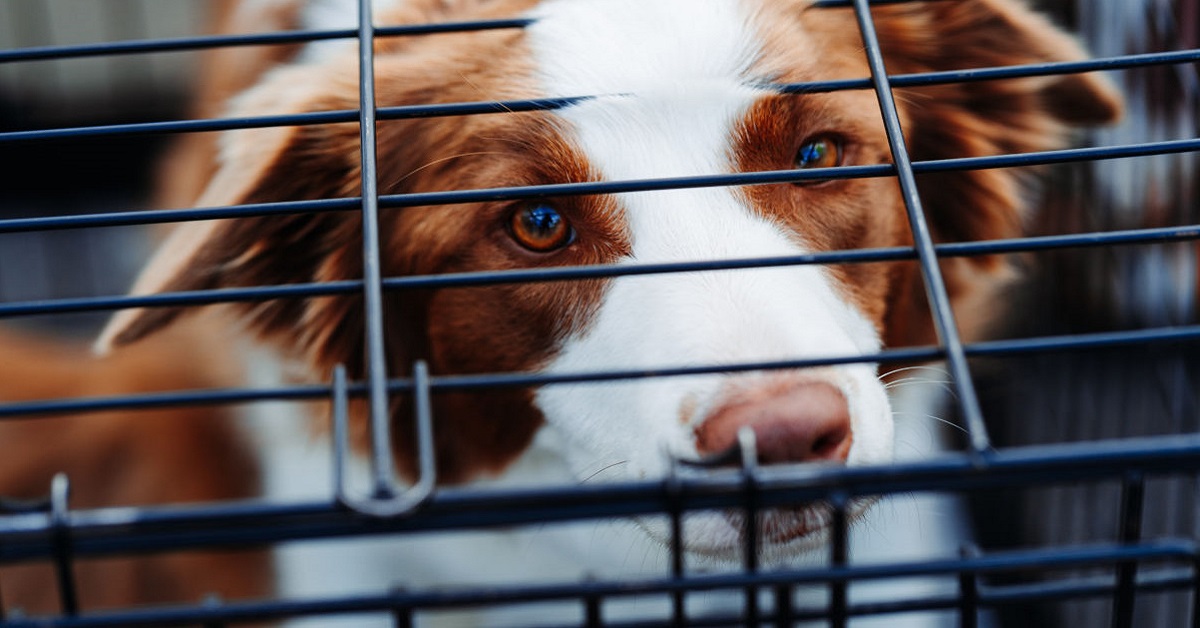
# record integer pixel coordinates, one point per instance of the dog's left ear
(976, 118)
(266, 165)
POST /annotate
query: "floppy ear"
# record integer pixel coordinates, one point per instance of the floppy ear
(985, 117)
(266, 165)
(980, 118)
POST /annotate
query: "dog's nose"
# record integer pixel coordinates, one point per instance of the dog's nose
(805, 422)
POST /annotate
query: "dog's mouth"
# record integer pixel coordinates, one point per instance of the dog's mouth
(786, 526)
(781, 531)
(803, 526)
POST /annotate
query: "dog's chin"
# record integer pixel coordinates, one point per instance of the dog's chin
(784, 534)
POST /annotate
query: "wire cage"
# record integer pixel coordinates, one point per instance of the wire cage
(1076, 525)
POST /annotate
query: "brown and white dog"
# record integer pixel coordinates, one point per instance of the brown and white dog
(676, 88)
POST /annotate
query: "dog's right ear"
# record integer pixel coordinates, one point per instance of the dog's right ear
(260, 166)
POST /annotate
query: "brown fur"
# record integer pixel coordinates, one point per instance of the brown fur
(514, 328)
(940, 122)
(125, 458)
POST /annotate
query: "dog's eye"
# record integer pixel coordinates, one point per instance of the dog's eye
(821, 151)
(540, 228)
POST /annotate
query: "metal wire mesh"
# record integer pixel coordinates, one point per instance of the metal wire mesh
(1119, 570)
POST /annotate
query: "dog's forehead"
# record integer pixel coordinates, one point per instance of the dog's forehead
(606, 47)
(668, 80)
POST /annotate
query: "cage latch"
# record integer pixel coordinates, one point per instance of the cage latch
(387, 498)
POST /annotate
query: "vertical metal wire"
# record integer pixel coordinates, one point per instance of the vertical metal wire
(60, 494)
(673, 489)
(382, 465)
(213, 601)
(402, 617)
(593, 618)
(3, 613)
(1132, 500)
(784, 610)
(341, 434)
(1196, 590)
(935, 286)
(748, 446)
(968, 590)
(838, 553)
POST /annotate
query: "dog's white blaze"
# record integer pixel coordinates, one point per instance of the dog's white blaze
(595, 47)
(671, 91)
(334, 15)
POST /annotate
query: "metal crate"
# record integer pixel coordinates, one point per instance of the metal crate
(1119, 571)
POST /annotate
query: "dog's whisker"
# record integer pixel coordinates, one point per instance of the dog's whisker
(444, 160)
(482, 94)
(932, 369)
(907, 381)
(602, 470)
(916, 381)
(922, 415)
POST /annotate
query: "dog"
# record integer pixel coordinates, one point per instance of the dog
(663, 88)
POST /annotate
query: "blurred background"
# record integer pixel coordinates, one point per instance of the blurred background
(1112, 393)
(1048, 398)
(64, 177)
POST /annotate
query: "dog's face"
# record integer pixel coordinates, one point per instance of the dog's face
(677, 89)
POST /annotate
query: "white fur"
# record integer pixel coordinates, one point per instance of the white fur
(597, 47)
(297, 468)
(672, 91)
(334, 15)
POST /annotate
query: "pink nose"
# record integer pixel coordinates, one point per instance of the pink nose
(806, 422)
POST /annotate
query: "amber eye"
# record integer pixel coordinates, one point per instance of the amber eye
(821, 151)
(540, 227)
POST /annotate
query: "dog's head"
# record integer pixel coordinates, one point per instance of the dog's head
(675, 88)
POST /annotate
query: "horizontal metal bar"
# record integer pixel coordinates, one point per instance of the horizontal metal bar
(1077, 342)
(171, 44)
(204, 42)
(460, 383)
(128, 530)
(501, 596)
(167, 216)
(1157, 581)
(990, 247)
(494, 107)
(179, 44)
(441, 384)
(994, 348)
(606, 187)
(1060, 590)
(571, 273)
(169, 399)
(341, 116)
(1050, 68)
(168, 299)
(181, 126)
(1068, 155)
(1121, 237)
(447, 383)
